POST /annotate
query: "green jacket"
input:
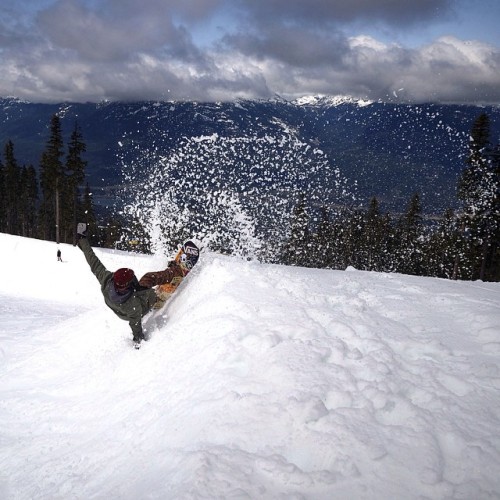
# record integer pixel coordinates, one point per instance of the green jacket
(134, 308)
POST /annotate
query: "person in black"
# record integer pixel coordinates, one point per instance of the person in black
(129, 298)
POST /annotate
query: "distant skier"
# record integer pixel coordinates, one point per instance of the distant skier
(59, 258)
(130, 299)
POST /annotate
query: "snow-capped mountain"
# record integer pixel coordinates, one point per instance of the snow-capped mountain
(325, 100)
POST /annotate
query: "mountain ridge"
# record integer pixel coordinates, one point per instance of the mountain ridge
(387, 150)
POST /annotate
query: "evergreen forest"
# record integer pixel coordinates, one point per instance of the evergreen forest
(461, 244)
(47, 206)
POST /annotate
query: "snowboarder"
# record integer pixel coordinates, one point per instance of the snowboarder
(130, 299)
(59, 258)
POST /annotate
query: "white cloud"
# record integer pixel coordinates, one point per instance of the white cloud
(125, 50)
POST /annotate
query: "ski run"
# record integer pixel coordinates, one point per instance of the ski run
(258, 382)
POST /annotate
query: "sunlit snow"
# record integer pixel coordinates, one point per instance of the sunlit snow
(258, 381)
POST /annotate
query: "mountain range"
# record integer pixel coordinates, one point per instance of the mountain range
(383, 149)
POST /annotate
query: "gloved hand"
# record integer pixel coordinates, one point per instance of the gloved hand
(81, 230)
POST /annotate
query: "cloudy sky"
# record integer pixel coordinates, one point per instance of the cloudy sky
(211, 50)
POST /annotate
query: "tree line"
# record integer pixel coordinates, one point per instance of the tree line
(463, 244)
(46, 206)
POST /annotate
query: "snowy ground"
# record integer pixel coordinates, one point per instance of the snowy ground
(259, 381)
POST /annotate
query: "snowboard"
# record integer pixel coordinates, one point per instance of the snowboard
(186, 257)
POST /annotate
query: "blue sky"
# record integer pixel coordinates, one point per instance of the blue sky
(405, 50)
(469, 20)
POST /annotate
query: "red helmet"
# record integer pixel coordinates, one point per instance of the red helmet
(123, 277)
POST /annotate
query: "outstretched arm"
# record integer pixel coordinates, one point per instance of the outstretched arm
(96, 266)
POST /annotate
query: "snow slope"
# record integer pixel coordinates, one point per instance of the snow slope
(259, 381)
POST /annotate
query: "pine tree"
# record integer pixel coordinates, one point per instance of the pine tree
(339, 234)
(377, 238)
(470, 182)
(493, 264)
(2, 198)
(12, 179)
(52, 181)
(478, 190)
(75, 175)
(442, 246)
(29, 200)
(410, 235)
